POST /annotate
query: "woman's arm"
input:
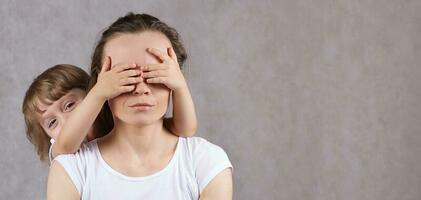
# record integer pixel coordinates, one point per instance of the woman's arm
(111, 83)
(60, 186)
(184, 121)
(219, 188)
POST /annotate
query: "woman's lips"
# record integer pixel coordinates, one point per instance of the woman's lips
(141, 106)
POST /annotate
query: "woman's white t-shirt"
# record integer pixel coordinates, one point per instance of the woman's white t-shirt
(194, 164)
(50, 151)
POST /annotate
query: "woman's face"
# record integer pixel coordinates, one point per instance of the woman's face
(148, 102)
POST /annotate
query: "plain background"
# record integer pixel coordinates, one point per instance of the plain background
(312, 100)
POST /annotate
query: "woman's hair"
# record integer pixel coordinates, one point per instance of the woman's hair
(48, 87)
(129, 24)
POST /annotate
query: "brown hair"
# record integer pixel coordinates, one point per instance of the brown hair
(48, 87)
(129, 24)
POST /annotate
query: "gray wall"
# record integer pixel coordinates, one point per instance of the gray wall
(310, 99)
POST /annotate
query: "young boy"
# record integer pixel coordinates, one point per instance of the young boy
(57, 111)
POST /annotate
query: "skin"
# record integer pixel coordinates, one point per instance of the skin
(54, 116)
(111, 82)
(119, 79)
(139, 145)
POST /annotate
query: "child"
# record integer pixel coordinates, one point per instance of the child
(57, 111)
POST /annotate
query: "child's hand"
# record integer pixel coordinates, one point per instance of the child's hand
(168, 72)
(113, 81)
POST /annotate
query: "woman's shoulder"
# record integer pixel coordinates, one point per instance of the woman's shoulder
(206, 159)
(86, 152)
(201, 149)
(78, 165)
(197, 144)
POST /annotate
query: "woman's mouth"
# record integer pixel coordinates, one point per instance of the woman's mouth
(141, 106)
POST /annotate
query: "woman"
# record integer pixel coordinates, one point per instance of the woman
(139, 158)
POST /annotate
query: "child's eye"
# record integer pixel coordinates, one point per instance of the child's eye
(52, 123)
(69, 106)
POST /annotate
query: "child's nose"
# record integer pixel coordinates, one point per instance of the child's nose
(63, 117)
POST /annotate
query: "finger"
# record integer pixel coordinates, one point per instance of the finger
(153, 74)
(158, 53)
(106, 65)
(154, 67)
(162, 80)
(130, 73)
(121, 67)
(130, 80)
(127, 88)
(172, 54)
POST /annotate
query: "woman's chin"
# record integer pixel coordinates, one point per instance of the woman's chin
(141, 120)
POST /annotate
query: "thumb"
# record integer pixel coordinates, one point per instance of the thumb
(172, 54)
(106, 65)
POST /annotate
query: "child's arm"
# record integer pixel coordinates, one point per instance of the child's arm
(111, 83)
(184, 122)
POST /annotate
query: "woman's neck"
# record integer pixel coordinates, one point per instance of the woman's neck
(140, 141)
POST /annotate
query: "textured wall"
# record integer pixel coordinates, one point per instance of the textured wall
(311, 100)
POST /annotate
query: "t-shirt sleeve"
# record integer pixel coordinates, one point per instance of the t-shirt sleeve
(75, 167)
(208, 160)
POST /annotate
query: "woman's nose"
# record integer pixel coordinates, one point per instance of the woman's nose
(141, 88)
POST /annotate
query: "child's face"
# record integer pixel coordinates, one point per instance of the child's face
(54, 116)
